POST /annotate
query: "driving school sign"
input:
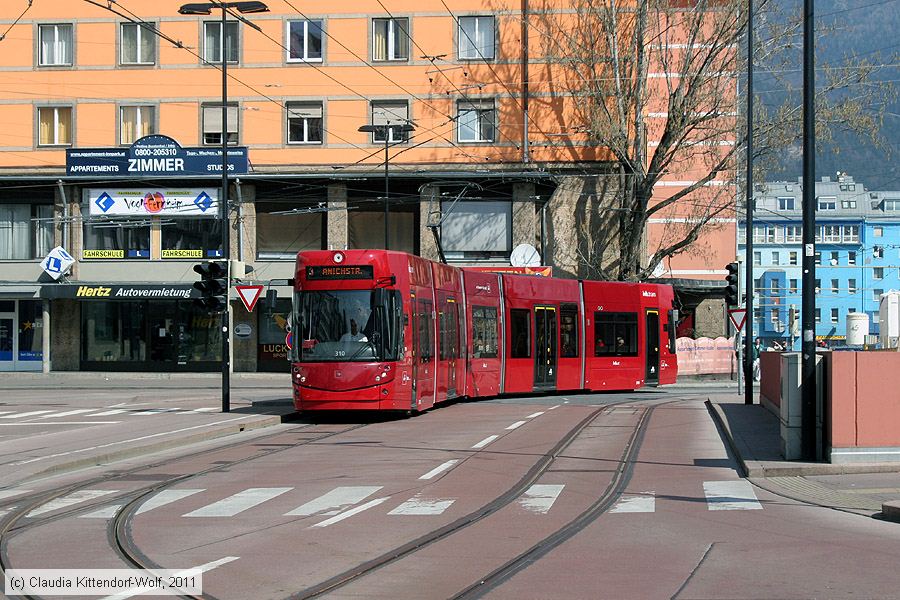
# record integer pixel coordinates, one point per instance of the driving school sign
(183, 202)
(154, 155)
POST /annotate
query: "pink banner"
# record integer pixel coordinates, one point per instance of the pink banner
(705, 356)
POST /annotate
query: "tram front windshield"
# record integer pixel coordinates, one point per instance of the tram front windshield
(348, 325)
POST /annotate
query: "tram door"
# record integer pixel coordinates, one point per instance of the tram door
(545, 342)
(652, 337)
(448, 344)
(423, 344)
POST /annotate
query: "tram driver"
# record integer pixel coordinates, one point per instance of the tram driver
(354, 335)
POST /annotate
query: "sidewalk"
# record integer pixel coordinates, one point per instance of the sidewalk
(112, 379)
(753, 434)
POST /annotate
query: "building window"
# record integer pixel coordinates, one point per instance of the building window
(834, 286)
(476, 37)
(136, 122)
(212, 124)
(191, 238)
(818, 258)
(793, 257)
(520, 333)
(775, 316)
(851, 258)
(615, 334)
(757, 285)
(304, 41)
(763, 234)
(365, 227)
(484, 332)
(212, 42)
(776, 258)
(827, 203)
(56, 44)
(876, 294)
(138, 44)
(818, 315)
(55, 126)
(476, 121)
(757, 258)
(851, 234)
(742, 234)
(891, 204)
(304, 124)
(878, 272)
(848, 203)
(476, 230)
(793, 286)
(878, 231)
(26, 231)
(876, 317)
(390, 113)
(284, 229)
(878, 251)
(851, 286)
(818, 285)
(834, 258)
(793, 233)
(832, 234)
(116, 239)
(834, 315)
(390, 39)
(785, 204)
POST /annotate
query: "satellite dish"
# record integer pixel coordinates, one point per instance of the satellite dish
(525, 255)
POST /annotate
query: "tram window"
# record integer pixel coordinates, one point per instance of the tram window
(484, 332)
(425, 329)
(449, 332)
(568, 331)
(615, 334)
(520, 329)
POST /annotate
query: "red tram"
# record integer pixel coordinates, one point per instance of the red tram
(383, 330)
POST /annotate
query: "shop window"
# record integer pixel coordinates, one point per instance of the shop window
(304, 122)
(55, 126)
(366, 230)
(476, 37)
(136, 122)
(212, 124)
(484, 331)
(304, 41)
(115, 238)
(283, 230)
(390, 39)
(191, 238)
(476, 120)
(212, 42)
(26, 231)
(568, 331)
(520, 333)
(138, 44)
(56, 44)
(477, 230)
(274, 325)
(615, 334)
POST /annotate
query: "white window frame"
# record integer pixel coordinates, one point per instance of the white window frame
(835, 315)
(827, 203)
(394, 28)
(215, 113)
(208, 51)
(831, 234)
(139, 36)
(304, 33)
(851, 286)
(469, 48)
(835, 286)
(300, 106)
(786, 203)
(851, 257)
(479, 108)
(56, 141)
(58, 48)
(776, 259)
(793, 258)
(390, 112)
(793, 233)
(877, 231)
(878, 273)
(140, 120)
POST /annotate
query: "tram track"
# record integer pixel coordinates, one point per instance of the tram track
(118, 528)
(617, 485)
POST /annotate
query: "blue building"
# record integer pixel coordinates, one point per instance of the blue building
(857, 257)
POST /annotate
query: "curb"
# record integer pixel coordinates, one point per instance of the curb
(891, 511)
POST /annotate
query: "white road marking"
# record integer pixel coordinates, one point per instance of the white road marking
(533, 415)
(486, 441)
(69, 500)
(516, 425)
(155, 411)
(238, 503)
(48, 423)
(730, 495)
(3, 412)
(77, 411)
(553, 407)
(439, 469)
(26, 414)
(335, 500)
(635, 503)
(421, 506)
(107, 512)
(206, 409)
(160, 499)
(202, 568)
(129, 441)
(539, 498)
(114, 411)
(352, 511)
(10, 493)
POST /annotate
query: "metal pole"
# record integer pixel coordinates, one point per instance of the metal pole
(226, 249)
(387, 132)
(748, 258)
(808, 372)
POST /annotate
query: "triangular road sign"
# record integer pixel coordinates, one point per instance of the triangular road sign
(249, 294)
(737, 316)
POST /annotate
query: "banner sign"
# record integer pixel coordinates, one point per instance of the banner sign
(542, 271)
(99, 291)
(130, 202)
(154, 155)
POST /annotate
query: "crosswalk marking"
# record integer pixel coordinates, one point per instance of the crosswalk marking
(352, 511)
(539, 498)
(335, 500)
(205, 409)
(516, 425)
(486, 441)
(69, 500)
(202, 568)
(533, 415)
(66, 413)
(635, 503)
(26, 414)
(97, 412)
(422, 506)
(114, 411)
(10, 493)
(730, 495)
(439, 469)
(239, 502)
(155, 411)
(161, 499)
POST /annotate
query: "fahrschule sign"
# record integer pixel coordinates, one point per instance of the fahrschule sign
(154, 155)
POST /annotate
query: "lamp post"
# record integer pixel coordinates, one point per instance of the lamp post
(205, 8)
(386, 131)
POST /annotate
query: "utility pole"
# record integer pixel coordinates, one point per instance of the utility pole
(748, 258)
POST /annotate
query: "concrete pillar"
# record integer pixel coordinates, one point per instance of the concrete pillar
(45, 335)
(66, 335)
(429, 199)
(338, 231)
(525, 223)
(246, 223)
(564, 227)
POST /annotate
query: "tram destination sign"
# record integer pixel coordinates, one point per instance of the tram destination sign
(342, 272)
(154, 155)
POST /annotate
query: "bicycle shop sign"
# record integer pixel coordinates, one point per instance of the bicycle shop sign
(154, 155)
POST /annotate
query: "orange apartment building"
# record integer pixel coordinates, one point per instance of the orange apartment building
(85, 89)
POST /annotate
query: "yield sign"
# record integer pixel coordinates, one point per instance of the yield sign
(737, 316)
(249, 294)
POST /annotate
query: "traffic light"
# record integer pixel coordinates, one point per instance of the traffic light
(731, 284)
(213, 286)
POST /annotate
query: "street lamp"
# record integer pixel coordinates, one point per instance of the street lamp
(205, 8)
(385, 130)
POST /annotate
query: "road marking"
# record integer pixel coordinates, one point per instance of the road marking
(155, 411)
(156, 501)
(232, 505)
(533, 415)
(553, 407)
(486, 441)
(114, 411)
(352, 511)
(516, 425)
(69, 500)
(421, 506)
(635, 503)
(540, 497)
(334, 501)
(439, 469)
(730, 495)
(206, 409)
(10, 493)
(77, 411)
(3, 412)
(26, 414)
(107, 512)
(48, 423)
(202, 568)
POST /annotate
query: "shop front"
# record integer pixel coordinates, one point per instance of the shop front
(21, 335)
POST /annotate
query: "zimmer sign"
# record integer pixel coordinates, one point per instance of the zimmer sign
(153, 155)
